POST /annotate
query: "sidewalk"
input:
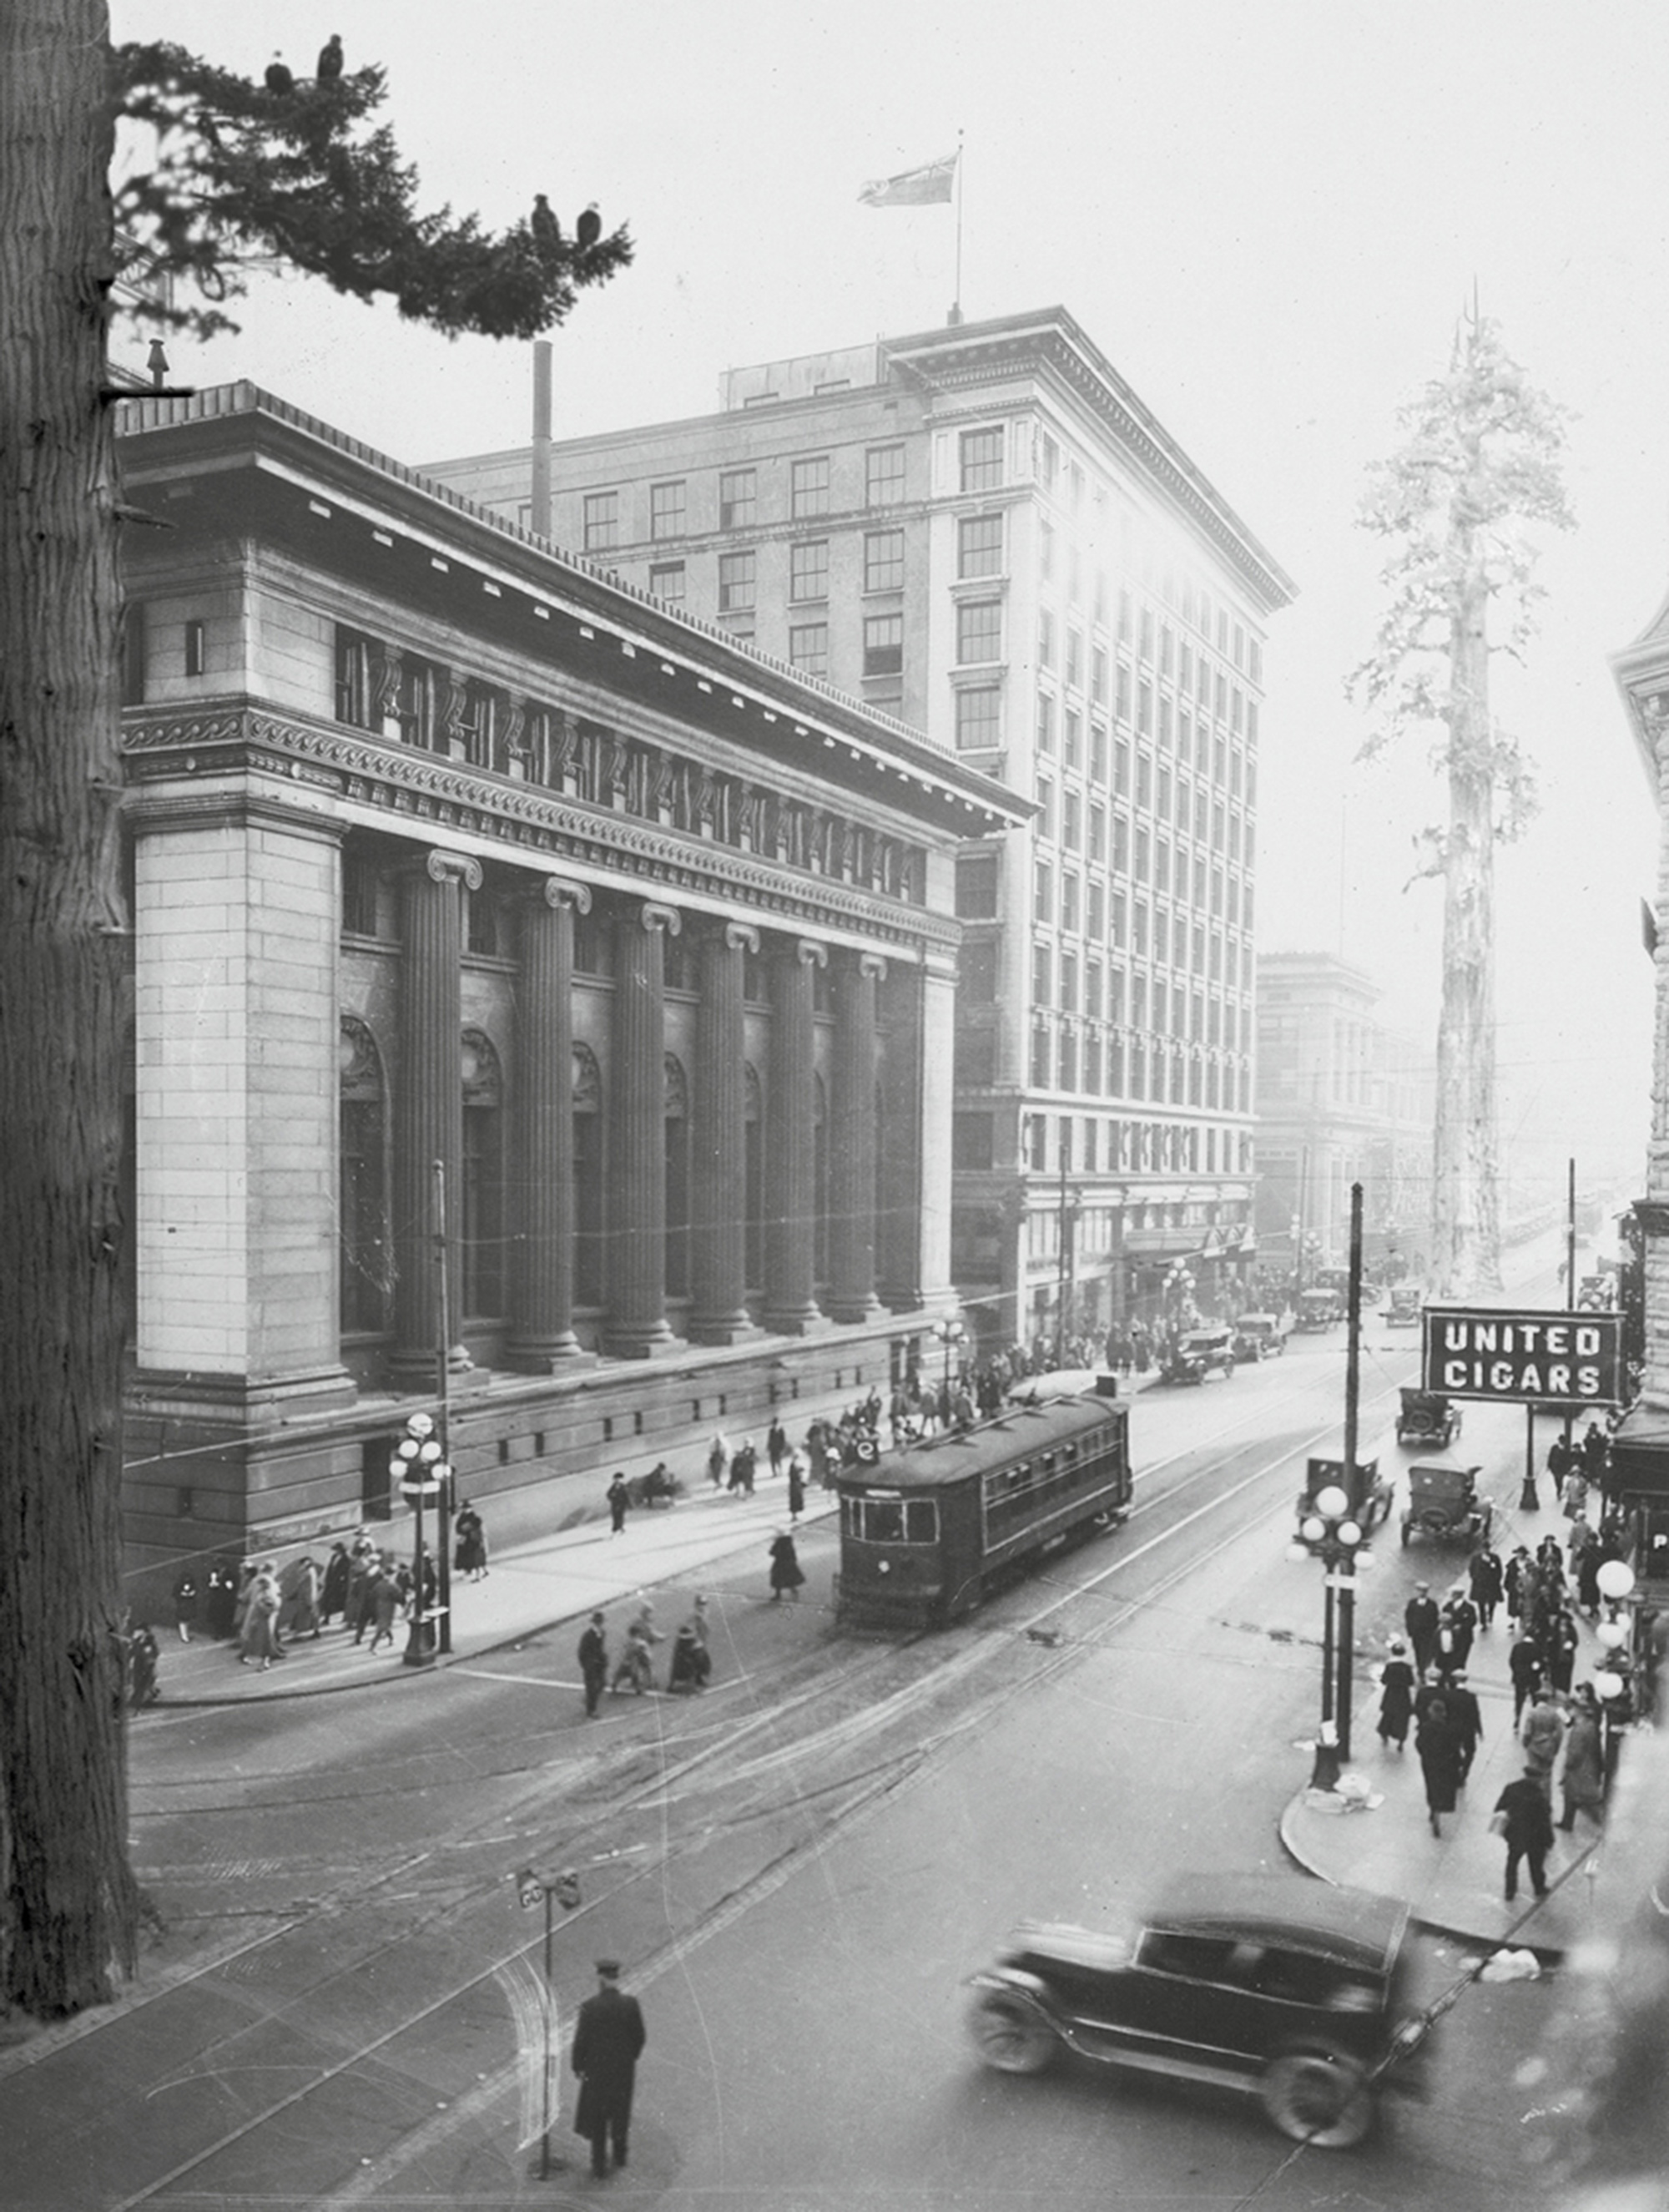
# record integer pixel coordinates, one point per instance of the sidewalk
(1455, 1882)
(530, 1587)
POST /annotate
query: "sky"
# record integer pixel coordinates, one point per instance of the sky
(1268, 216)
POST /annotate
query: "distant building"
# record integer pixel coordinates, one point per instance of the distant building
(1341, 1100)
(1640, 1450)
(497, 928)
(983, 531)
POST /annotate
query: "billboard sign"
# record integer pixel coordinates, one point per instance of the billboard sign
(1496, 1354)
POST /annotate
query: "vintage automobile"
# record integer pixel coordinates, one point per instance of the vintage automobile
(1443, 1503)
(1260, 1335)
(1200, 1353)
(1597, 1294)
(1426, 1417)
(1402, 1308)
(1290, 1992)
(1371, 1494)
(1319, 1308)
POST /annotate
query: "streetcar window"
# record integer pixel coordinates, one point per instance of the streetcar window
(883, 1522)
(921, 1522)
(892, 1520)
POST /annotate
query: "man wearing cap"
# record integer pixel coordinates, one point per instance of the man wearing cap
(608, 2038)
(1421, 1619)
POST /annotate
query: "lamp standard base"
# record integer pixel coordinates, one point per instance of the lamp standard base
(1324, 1775)
(420, 1643)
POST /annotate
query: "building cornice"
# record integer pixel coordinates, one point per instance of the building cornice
(417, 795)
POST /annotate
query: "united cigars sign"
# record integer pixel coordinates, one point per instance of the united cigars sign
(1523, 1358)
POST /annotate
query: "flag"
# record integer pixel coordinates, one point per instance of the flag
(933, 181)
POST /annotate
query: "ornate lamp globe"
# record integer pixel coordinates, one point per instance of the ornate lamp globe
(1607, 1686)
(1616, 1579)
(1610, 1633)
(1311, 1528)
(1331, 1502)
(1349, 1531)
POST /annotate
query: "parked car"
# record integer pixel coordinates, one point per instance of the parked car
(1443, 1503)
(1291, 1992)
(1320, 1308)
(1426, 1417)
(1260, 1335)
(1402, 1308)
(1200, 1353)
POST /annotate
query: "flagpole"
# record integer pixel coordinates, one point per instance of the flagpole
(955, 304)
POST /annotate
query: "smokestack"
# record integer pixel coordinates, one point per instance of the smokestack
(538, 517)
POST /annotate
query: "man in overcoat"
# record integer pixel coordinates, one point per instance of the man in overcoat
(1421, 1619)
(607, 2039)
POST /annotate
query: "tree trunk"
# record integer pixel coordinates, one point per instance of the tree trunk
(68, 1913)
(1465, 1206)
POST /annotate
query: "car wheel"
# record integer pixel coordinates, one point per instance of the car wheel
(1315, 2097)
(1010, 2037)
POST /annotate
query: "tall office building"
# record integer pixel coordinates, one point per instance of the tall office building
(983, 531)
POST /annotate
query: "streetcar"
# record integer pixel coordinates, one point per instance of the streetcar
(929, 1530)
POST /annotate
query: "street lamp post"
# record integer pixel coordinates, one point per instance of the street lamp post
(948, 1334)
(1331, 1530)
(562, 1889)
(419, 1467)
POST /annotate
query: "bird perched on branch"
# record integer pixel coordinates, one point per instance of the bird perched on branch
(278, 77)
(589, 228)
(330, 59)
(546, 228)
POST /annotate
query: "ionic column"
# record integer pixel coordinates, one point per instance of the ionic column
(852, 1141)
(428, 1109)
(637, 1323)
(718, 1166)
(541, 1175)
(790, 1143)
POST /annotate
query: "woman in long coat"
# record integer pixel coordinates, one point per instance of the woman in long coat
(258, 1640)
(785, 1573)
(334, 1598)
(1583, 1779)
(1438, 1744)
(1396, 1695)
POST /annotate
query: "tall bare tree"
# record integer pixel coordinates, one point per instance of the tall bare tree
(1461, 500)
(234, 170)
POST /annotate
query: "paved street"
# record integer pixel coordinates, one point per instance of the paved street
(798, 1870)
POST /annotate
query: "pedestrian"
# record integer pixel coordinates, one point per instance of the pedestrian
(258, 1640)
(637, 1665)
(1574, 1494)
(300, 1614)
(1396, 1696)
(593, 1657)
(1541, 1734)
(717, 1461)
(142, 1658)
(776, 1444)
(619, 1498)
(186, 1604)
(1524, 1665)
(1456, 1621)
(470, 1544)
(386, 1599)
(1582, 1779)
(1513, 1582)
(785, 1573)
(1438, 1750)
(1421, 1621)
(796, 1487)
(608, 2038)
(744, 1460)
(1483, 1578)
(1523, 1817)
(1466, 1717)
(220, 1601)
(690, 1663)
(1559, 1645)
(246, 1574)
(362, 1593)
(333, 1593)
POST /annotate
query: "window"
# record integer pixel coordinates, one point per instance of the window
(195, 639)
(737, 492)
(1095, 919)
(809, 487)
(736, 581)
(1046, 799)
(1043, 975)
(1045, 645)
(1097, 834)
(1098, 674)
(979, 630)
(979, 717)
(1071, 825)
(666, 581)
(666, 509)
(883, 476)
(1069, 899)
(980, 545)
(1046, 549)
(808, 647)
(883, 645)
(1046, 729)
(981, 457)
(883, 561)
(355, 685)
(602, 522)
(976, 887)
(1043, 891)
(1072, 738)
(808, 570)
(365, 1260)
(1074, 658)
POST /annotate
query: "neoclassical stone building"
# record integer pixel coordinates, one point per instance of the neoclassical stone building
(526, 976)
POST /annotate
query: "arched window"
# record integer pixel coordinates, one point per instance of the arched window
(753, 1139)
(585, 1209)
(366, 1255)
(481, 1216)
(677, 1181)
